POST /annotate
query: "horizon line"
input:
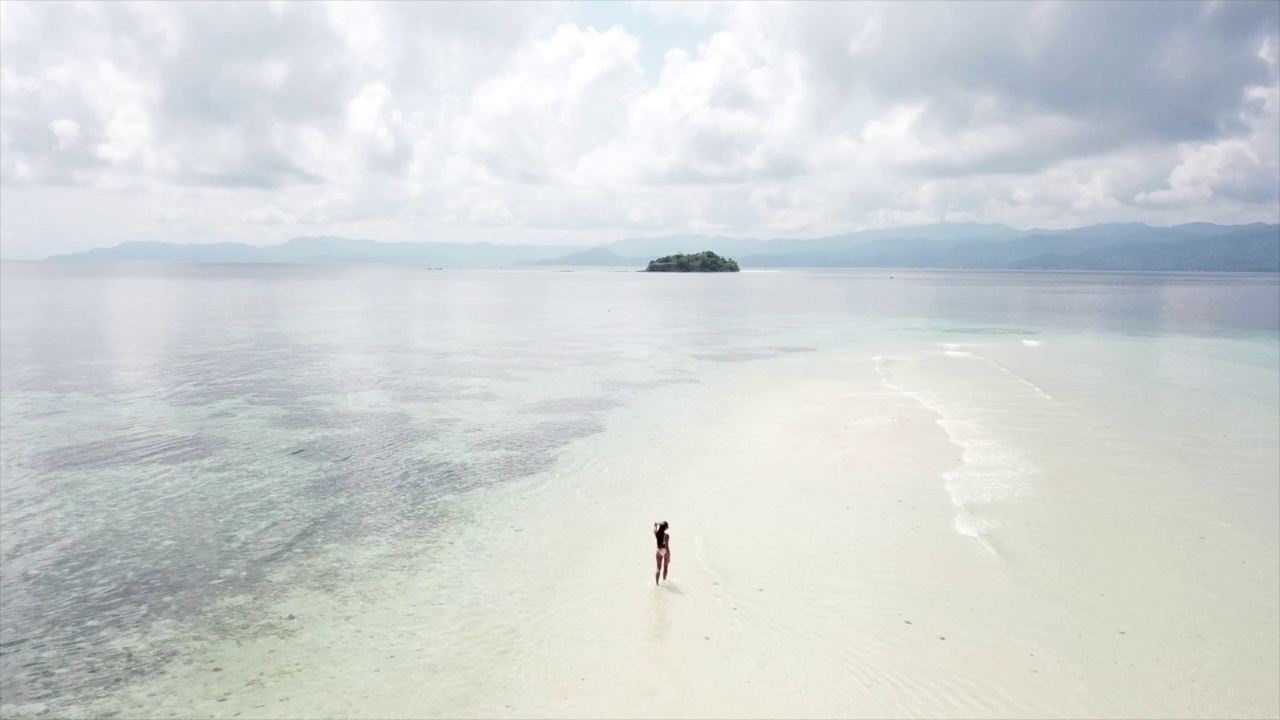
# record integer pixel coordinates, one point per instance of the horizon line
(639, 237)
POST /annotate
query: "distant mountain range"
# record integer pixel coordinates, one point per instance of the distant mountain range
(1123, 246)
(330, 250)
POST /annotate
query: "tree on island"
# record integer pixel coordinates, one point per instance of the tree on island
(705, 261)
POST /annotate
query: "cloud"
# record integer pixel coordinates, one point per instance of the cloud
(561, 99)
(1243, 169)
(1023, 85)
(67, 131)
(503, 122)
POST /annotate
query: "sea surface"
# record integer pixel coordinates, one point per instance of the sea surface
(182, 446)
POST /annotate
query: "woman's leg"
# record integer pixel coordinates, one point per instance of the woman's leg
(658, 571)
(666, 563)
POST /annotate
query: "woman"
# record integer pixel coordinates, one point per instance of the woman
(664, 550)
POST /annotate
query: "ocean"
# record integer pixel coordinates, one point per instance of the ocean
(322, 491)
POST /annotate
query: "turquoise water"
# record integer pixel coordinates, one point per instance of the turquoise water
(175, 436)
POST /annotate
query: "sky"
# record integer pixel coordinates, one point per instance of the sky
(575, 122)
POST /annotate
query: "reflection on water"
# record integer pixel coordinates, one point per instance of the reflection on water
(178, 436)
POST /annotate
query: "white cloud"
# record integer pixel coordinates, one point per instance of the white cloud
(561, 99)
(1240, 169)
(66, 130)
(370, 116)
(734, 113)
(511, 122)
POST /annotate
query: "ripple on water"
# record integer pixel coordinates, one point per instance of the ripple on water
(143, 448)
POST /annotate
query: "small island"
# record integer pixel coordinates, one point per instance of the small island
(705, 261)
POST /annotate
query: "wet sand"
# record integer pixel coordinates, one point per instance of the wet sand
(835, 554)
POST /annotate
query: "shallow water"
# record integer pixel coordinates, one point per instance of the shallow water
(185, 446)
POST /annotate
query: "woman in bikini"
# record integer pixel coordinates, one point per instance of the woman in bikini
(664, 550)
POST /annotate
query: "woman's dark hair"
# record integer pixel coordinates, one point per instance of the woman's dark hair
(662, 525)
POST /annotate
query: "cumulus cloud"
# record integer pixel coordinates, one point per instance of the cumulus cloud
(1244, 169)
(67, 132)
(525, 122)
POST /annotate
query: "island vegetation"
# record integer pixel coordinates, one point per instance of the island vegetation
(705, 261)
